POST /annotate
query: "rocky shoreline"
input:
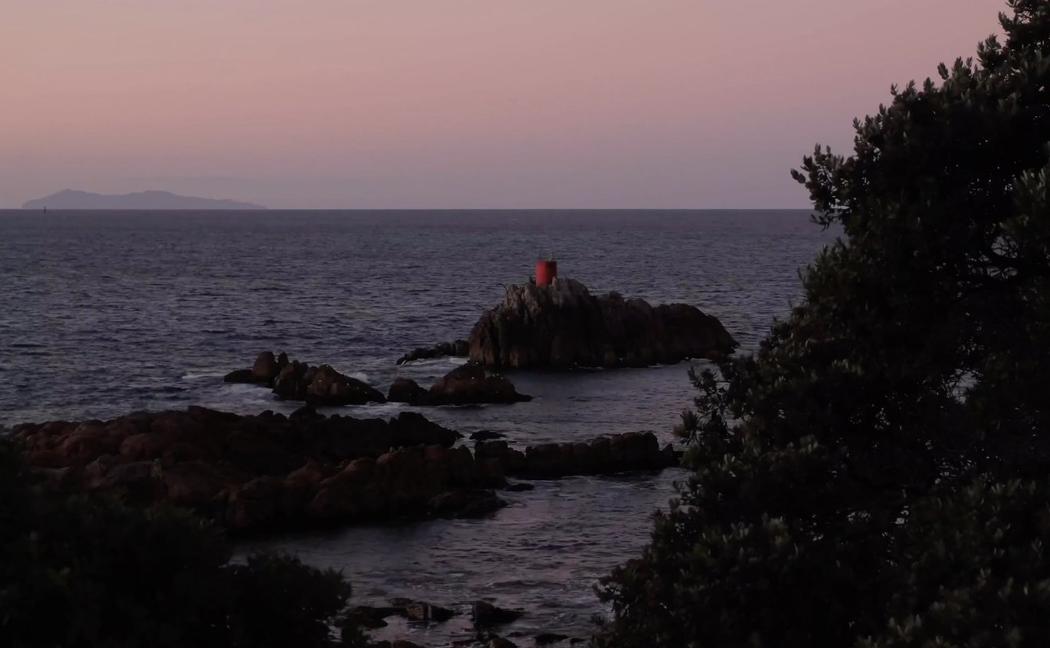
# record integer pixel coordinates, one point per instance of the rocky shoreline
(470, 384)
(274, 473)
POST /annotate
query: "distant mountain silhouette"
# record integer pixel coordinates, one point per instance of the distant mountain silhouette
(71, 199)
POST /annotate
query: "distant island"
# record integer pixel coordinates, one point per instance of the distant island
(72, 199)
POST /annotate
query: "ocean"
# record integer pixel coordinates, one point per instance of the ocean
(104, 313)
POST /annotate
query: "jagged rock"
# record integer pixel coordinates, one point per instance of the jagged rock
(323, 386)
(562, 326)
(294, 380)
(485, 435)
(500, 642)
(459, 348)
(487, 614)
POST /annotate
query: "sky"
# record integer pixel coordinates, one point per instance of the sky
(454, 103)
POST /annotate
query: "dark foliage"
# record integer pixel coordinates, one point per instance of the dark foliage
(876, 475)
(89, 572)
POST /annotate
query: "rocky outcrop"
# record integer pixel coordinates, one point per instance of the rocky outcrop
(457, 349)
(269, 471)
(486, 615)
(276, 472)
(323, 385)
(562, 326)
(294, 380)
(602, 456)
(468, 384)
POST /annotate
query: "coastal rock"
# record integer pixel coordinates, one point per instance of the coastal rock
(457, 349)
(274, 472)
(421, 611)
(487, 615)
(323, 386)
(472, 383)
(563, 326)
(371, 617)
(294, 380)
(262, 372)
(468, 384)
(626, 452)
(265, 472)
(406, 390)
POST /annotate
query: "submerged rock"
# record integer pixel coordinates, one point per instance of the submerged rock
(562, 326)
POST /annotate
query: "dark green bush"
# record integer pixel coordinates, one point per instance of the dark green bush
(87, 572)
(876, 475)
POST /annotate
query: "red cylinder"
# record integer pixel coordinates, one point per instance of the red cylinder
(546, 271)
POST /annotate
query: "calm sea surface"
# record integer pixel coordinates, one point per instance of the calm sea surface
(105, 313)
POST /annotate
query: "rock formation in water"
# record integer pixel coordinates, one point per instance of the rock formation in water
(601, 456)
(294, 380)
(276, 472)
(457, 349)
(324, 386)
(468, 384)
(563, 325)
(267, 471)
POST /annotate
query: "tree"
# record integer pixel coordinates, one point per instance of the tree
(875, 474)
(81, 571)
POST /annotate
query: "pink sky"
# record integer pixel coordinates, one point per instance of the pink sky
(453, 103)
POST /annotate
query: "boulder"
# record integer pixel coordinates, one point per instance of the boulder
(473, 384)
(562, 325)
(265, 368)
(406, 390)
